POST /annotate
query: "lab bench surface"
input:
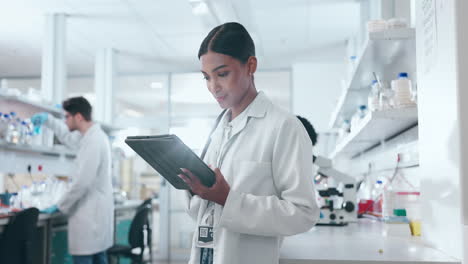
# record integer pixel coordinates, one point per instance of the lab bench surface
(52, 235)
(128, 205)
(362, 242)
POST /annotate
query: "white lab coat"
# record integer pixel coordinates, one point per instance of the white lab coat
(88, 202)
(269, 169)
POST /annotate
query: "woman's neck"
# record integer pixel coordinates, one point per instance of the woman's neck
(245, 101)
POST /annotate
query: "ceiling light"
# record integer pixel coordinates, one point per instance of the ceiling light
(199, 7)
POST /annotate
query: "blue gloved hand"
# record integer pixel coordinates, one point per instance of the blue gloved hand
(50, 210)
(39, 119)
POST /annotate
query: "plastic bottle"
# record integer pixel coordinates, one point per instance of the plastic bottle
(6, 123)
(377, 196)
(386, 99)
(3, 126)
(374, 97)
(25, 197)
(402, 90)
(344, 130)
(388, 203)
(12, 133)
(24, 137)
(361, 112)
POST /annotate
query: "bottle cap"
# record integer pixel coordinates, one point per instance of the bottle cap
(403, 75)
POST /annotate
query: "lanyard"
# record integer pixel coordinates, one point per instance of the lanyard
(208, 142)
(225, 144)
(209, 219)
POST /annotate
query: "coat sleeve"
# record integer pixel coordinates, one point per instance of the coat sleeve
(295, 209)
(88, 163)
(193, 203)
(70, 139)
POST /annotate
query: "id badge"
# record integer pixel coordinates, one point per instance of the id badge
(205, 237)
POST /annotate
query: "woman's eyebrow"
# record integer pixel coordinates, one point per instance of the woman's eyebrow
(217, 68)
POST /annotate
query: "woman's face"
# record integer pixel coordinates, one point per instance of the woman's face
(227, 78)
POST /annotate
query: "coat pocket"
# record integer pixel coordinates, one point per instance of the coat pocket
(254, 178)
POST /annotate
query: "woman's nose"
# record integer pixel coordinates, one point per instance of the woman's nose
(214, 86)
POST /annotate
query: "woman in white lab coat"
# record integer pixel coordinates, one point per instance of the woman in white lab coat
(261, 156)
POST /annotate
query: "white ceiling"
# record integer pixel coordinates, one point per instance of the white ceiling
(164, 36)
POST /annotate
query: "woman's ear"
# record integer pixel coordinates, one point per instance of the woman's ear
(252, 65)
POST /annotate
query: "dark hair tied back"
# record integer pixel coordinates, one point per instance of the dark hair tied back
(230, 39)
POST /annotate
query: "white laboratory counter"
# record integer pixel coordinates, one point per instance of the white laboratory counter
(362, 242)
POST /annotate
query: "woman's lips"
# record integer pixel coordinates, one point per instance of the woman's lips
(220, 98)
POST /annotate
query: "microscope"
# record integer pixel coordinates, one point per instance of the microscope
(340, 208)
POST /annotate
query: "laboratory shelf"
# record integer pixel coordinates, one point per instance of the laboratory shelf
(48, 151)
(30, 107)
(33, 106)
(385, 53)
(374, 128)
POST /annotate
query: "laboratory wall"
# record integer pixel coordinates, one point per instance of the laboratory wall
(316, 88)
(439, 125)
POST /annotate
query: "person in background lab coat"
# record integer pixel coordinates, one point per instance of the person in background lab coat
(310, 129)
(261, 158)
(88, 202)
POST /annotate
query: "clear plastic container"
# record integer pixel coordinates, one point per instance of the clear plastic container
(344, 130)
(386, 98)
(3, 125)
(411, 202)
(361, 112)
(24, 132)
(374, 97)
(25, 197)
(397, 22)
(47, 137)
(376, 25)
(388, 203)
(408, 200)
(12, 132)
(377, 196)
(403, 94)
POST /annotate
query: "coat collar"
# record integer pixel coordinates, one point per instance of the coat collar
(91, 130)
(256, 109)
(258, 106)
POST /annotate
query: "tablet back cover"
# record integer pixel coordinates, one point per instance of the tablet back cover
(167, 154)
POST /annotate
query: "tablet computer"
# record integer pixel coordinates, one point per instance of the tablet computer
(167, 154)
